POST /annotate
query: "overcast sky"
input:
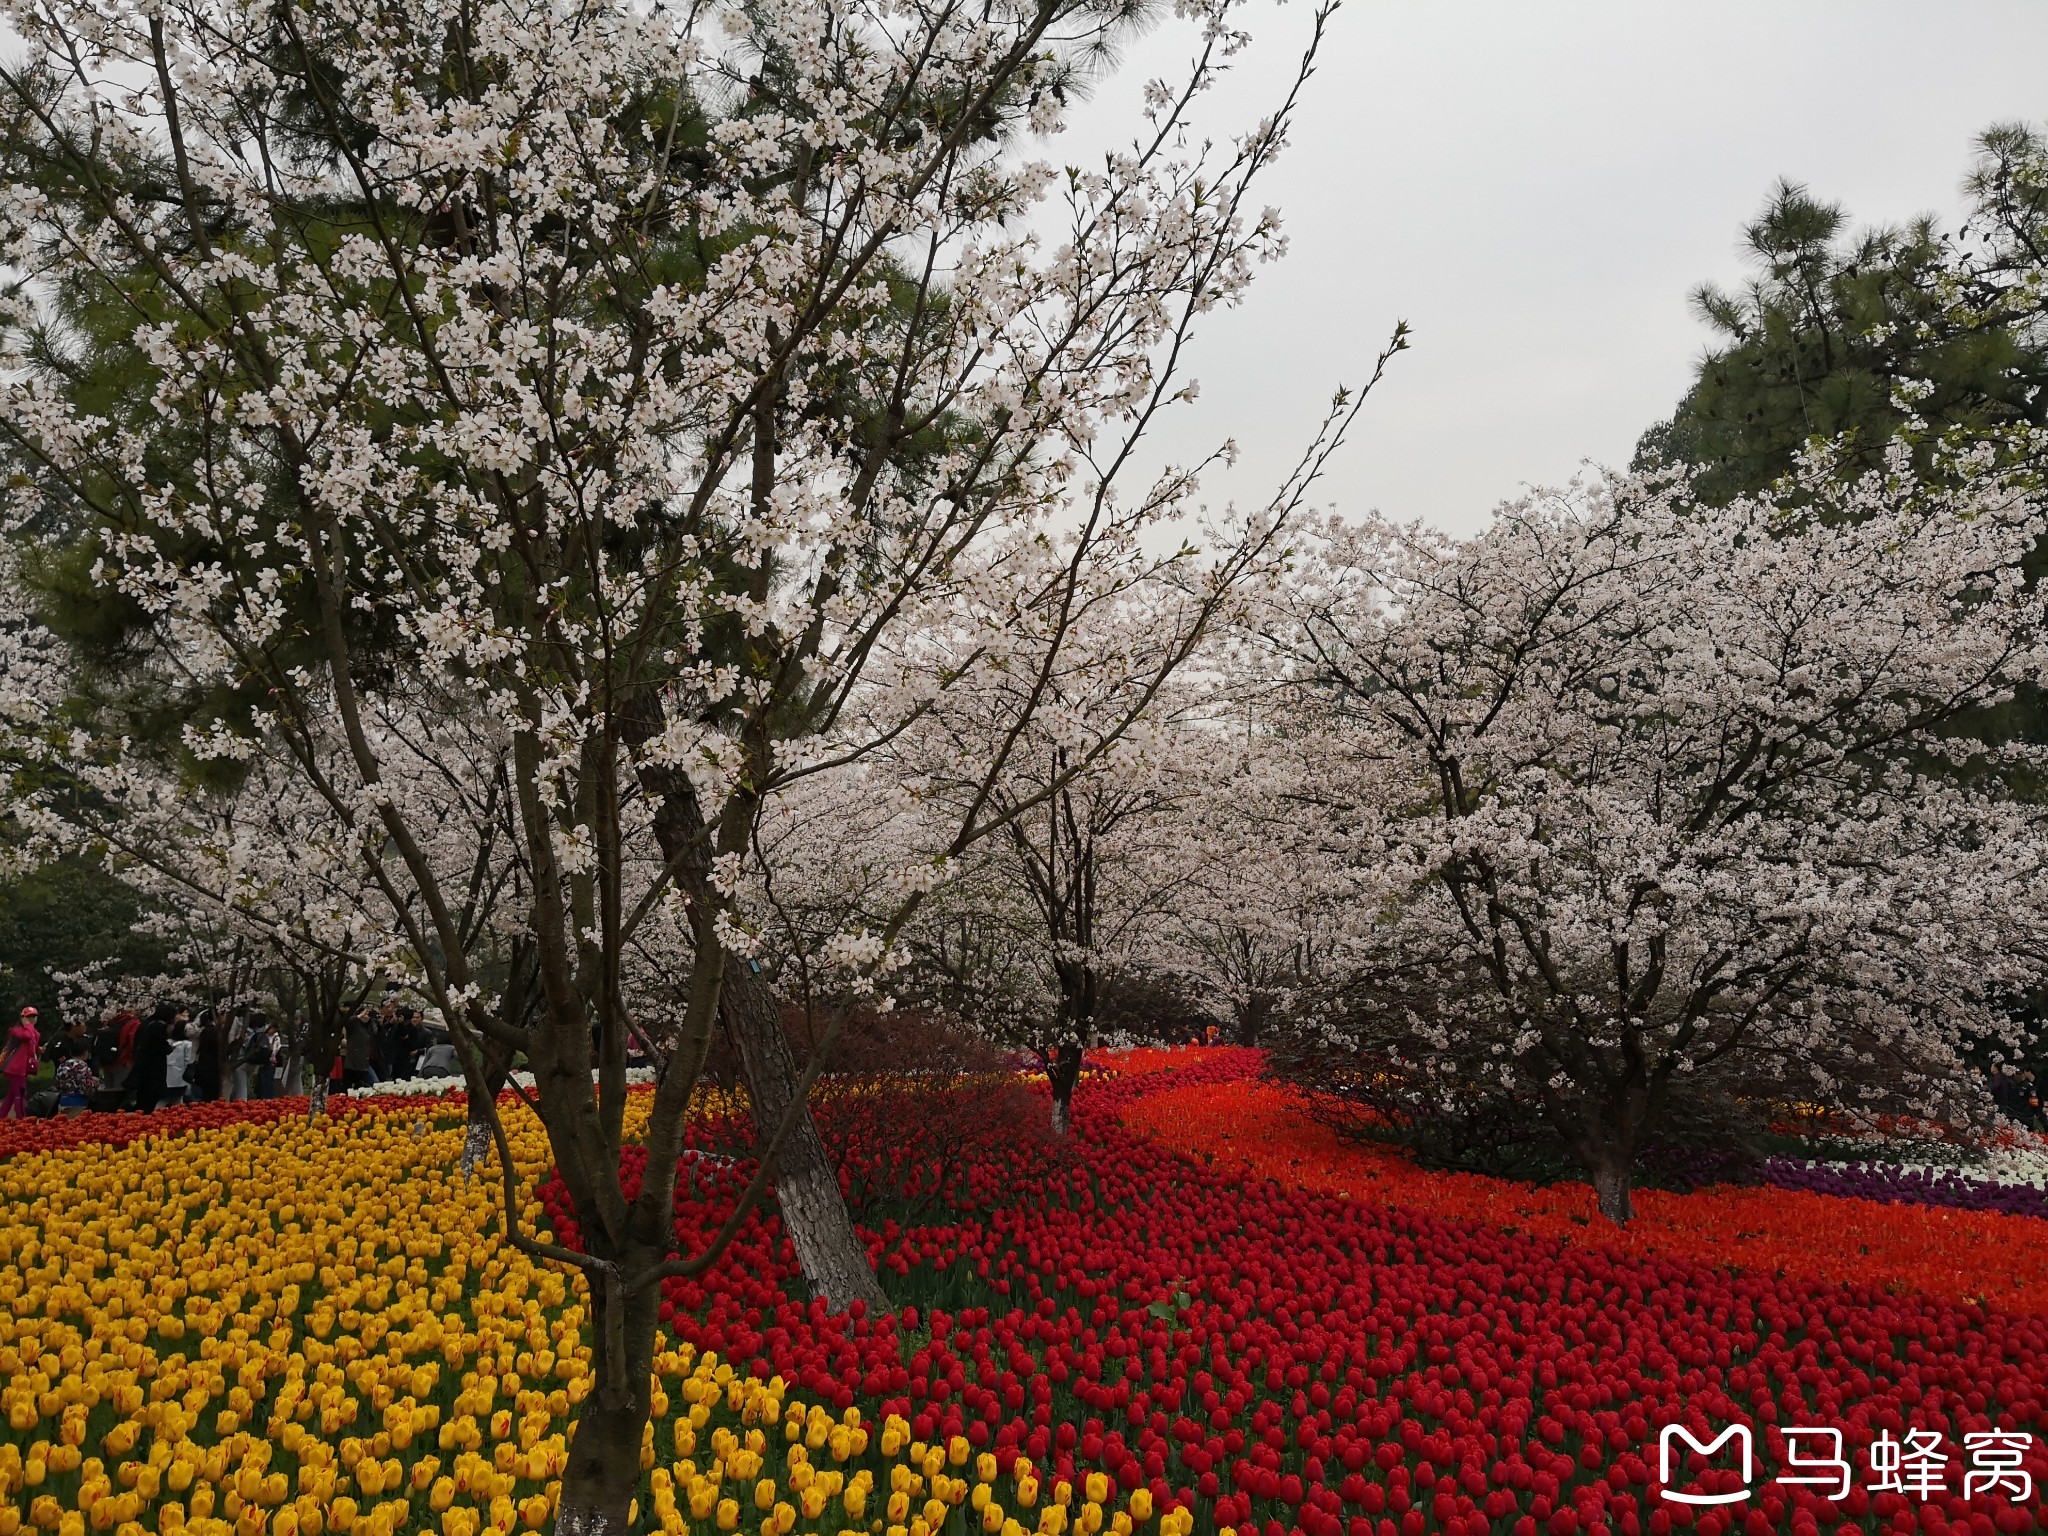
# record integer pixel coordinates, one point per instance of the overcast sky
(1536, 186)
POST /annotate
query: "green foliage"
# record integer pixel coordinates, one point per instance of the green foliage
(63, 917)
(1888, 334)
(1822, 341)
(1832, 326)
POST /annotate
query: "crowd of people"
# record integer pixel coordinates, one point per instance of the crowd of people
(171, 1055)
(138, 1062)
(387, 1045)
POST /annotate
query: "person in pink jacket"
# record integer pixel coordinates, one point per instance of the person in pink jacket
(18, 1062)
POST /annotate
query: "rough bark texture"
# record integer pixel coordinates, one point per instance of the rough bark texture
(1611, 1180)
(1252, 1017)
(476, 1140)
(326, 1040)
(1063, 1070)
(834, 1259)
(604, 1456)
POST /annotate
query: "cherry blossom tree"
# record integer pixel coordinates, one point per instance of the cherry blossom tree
(1075, 876)
(643, 375)
(1027, 936)
(1650, 797)
(35, 685)
(1023, 934)
(1263, 884)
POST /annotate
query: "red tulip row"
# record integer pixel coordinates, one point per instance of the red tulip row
(1990, 1256)
(123, 1127)
(1287, 1361)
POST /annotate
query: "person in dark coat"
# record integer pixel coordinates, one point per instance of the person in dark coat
(114, 1050)
(205, 1075)
(146, 1085)
(359, 1050)
(265, 1039)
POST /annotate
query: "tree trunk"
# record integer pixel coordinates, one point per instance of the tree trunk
(1252, 1016)
(1611, 1179)
(323, 1040)
(834, 1259)
(1063, 1070)
(476, 1139)
(604, 1457)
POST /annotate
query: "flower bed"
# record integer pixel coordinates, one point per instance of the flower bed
(441, 1087)
(123, 1127)
(1271, 1356)
(1894, 1185)
(256, 1325)
(1964, 1255)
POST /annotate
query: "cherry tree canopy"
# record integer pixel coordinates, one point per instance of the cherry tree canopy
(1656, 796)
(637, 375)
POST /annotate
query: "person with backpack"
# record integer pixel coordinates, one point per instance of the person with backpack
(23, 1052)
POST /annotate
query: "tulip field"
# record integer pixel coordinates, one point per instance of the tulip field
(1203, 1314)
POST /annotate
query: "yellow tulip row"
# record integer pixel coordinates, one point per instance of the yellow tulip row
(260, 1329)
(295, 1328)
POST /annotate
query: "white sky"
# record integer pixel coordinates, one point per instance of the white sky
(1536, 186)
